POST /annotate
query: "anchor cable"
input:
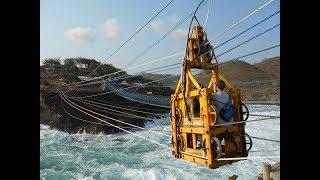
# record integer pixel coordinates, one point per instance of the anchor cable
(118, 120)
(118, 126)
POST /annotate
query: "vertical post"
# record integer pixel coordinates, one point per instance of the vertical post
(266, 171)
(204, 106)
(174, 126)
(237, 101)
(215, 78)
(194, 140)
(188, 83)
(190, 48)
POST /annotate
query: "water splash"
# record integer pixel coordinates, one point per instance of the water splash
(124, 156)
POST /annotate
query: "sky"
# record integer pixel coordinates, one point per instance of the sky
(96, 28)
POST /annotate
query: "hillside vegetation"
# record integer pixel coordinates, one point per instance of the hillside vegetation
(258, 82)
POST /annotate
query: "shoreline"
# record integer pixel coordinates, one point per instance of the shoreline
(262, 102)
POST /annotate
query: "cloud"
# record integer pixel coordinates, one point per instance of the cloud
(179, 33)
(80, 35)
(112, 28)
(158, 26)
(173, 19)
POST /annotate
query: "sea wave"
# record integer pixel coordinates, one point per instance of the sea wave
(124, 156)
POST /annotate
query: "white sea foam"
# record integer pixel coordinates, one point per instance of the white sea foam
(124, 156)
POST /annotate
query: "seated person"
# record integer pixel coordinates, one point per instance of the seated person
(198, 144)
(220, 100)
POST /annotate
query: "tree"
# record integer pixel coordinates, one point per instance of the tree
(69, 65)
(52, 62)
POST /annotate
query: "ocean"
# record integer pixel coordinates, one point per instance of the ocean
(125, 156)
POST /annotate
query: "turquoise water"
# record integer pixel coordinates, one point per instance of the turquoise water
(125, 156)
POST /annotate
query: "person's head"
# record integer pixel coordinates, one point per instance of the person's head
(221, 85)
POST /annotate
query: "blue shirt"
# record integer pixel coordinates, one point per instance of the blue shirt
(220, 99)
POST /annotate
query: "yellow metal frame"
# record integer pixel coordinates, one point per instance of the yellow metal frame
(204, 125)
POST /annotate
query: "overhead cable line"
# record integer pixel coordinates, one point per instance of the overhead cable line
(256, 52)
(248, 40)
(121, 112)
(83, 111)
(261, 115)
(173, 76)
(246, 158)
(143, 72)
(80, 119)
(247, 29)
(134, 75)
(207, 17)
(125, 88)
(120, 107)
(115, 119)
(158, 41)
(275, 13)
(241, 122)
(272, 140)
(113, 110)
(237, 23)
(160, 59)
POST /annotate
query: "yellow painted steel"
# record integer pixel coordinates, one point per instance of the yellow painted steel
(193, 115)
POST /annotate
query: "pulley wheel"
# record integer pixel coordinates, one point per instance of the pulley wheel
(248, 142)
(180, 142)
(177, 116)
(216, 146)
(244, 111)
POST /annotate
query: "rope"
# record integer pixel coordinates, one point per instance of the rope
(127, 114)
(264, 139)
(263, 150)
(237, 23)
(205, 24)
(246, 158)
(134, 75)
(159, 112)
(259, 115)
(141, 73)
(164, 36)
(240, 122)
(128, 87)
(119, 107)
(83, 119)
(118, 127)
(247, 29)
(228, 29)
(117, 120)
(125, 88)
(272, 47)
(149, 62)
(249, 40)
(132, 36)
